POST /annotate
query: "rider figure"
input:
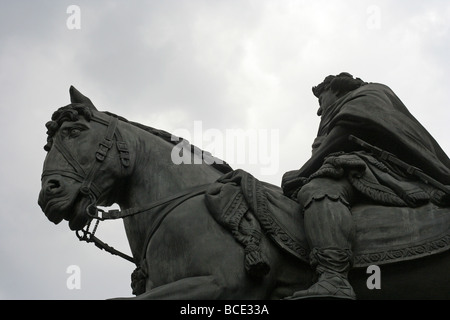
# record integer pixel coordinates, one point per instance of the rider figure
(333, 179)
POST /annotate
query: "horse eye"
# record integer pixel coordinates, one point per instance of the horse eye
(75, 132)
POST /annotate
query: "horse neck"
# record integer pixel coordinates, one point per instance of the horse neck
(155, 176)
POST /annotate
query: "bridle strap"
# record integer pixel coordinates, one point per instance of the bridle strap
(68, 156)
(88, 187)
(100, 156)
(65, 173)
(120, 214)
(122, 148)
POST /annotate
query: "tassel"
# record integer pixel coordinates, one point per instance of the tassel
(255, 264)
(139, 280)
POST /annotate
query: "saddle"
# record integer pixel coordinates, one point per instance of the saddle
(248, 208)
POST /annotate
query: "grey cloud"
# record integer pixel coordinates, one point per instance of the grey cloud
(231, 64)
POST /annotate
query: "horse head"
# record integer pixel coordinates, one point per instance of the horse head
(86, 157)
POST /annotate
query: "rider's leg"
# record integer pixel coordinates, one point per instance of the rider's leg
(330, 232)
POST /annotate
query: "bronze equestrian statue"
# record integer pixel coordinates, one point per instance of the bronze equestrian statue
(205, 231)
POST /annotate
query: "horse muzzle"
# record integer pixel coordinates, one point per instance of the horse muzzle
(60, 200)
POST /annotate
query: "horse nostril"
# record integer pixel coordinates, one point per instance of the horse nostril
(53, 185)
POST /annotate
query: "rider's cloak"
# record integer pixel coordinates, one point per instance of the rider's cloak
(375, 114)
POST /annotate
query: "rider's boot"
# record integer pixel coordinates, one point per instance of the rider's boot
(330, 232)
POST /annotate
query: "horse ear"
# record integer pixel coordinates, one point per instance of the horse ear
(77, 97)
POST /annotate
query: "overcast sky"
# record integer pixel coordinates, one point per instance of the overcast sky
(190, 66)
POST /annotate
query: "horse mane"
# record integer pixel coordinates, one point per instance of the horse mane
(72, 111)
(221, 165)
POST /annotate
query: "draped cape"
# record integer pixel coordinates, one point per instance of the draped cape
(375, 114)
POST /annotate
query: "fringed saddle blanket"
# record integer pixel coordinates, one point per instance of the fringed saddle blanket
(248, 208)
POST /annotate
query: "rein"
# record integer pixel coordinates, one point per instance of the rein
(89, 189)
(118, 214)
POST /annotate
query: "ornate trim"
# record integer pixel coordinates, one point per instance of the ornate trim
(253, 187)
(402, 254)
